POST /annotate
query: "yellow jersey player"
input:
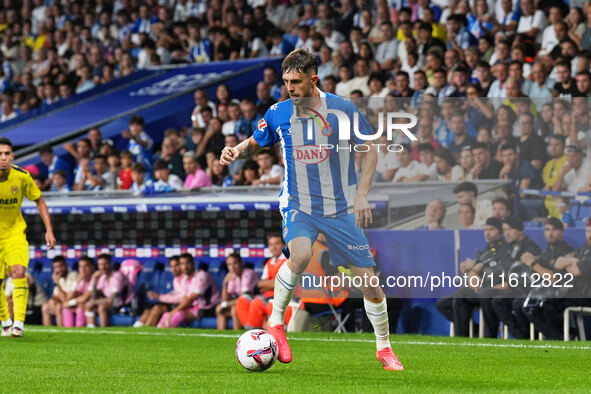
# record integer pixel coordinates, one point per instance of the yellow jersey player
(15, 184)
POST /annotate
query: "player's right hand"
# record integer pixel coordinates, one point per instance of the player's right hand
(229, 155)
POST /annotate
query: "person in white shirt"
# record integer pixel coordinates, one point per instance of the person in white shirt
(270, 174)
(410, 170)
(426, 155)
(387, 50)
(165, 181)
(532, 21)
(387, 160)
(64, 283)
(549, 36)
(575, 172)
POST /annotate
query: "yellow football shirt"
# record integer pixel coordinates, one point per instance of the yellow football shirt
(19, 184)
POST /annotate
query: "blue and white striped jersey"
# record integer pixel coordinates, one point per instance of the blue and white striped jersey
(318, 180)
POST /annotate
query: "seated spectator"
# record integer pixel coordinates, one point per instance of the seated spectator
(574, 176)
(531, 147)
(172, 157)
(426, 156)
(234, 167)
(552, 170)
(53, 164)
(249, 173)
(409, 170)
(165, 181)
(563, 207)
(447, 170)
(64, 285)
(100, 179)
(142, 184)
(78, 299)
(253, 311)
(493, 260)
(108, 291)
(467, 193)
(466, 163)
(220, 175)
(484, 167)
(269, 173)
(196, 176)
(461, 139)
(521, 173)
(140, 143)
(434, 215)
(466, 215)
(501, 208)
(59, 183)
(124, 179)
(239, 281)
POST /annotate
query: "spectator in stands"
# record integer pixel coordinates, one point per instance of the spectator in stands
(549, 318)
(213, 139)
(249, 120)
(264, 99)
(484, 167)
(170, 154)
(142, 183)
(249, 173)
(96, 141)
(501, 305)
(552, 170)
(64, 282)
(77, 298)
(575, 173)
(521, 173)
(109, 290)
(460, 137)
(566, 86)
(124, 179)
(253, 311)
(466, 215)
(54, 163)
(501, 208)
(544, 264)
(531, 147)
(459, 307)
(164, 302)
(434, 215)
(165, 181)
(426, 156)
(447, 169)
(59, 182)
(220, 175)
(410, 170)
(100, 179)
(269, 173)
(467, 193)
(196, 176)
(140, 143)
(239, 281)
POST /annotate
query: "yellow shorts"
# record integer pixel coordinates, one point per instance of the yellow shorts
(13, 251)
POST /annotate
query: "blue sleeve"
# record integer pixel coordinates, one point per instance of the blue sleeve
(526, 170)
(265, 134)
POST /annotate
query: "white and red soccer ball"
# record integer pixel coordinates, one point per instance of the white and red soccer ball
(256, 350)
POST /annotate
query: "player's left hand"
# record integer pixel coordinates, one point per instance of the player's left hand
(49, 240)
(363, 217)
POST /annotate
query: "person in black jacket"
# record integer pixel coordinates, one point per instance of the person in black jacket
(519, 243)
(489, 266)
(548, 319)
(529, 309)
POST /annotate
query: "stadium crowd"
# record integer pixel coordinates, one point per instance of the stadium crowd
(500, 88)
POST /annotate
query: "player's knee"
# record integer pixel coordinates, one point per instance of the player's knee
(299, 261)
(45, 308)
(18, 271)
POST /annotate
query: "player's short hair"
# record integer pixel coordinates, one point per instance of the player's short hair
(236, 256)
(480, 145)
(172, 258)
(471, 208)
(426, 146)
(509, 146)
(58, 259)
(86, 258)
(6, 141)
(503, 201)
(187, 256)
(301, 61)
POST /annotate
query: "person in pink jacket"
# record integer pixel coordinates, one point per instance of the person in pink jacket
(167, 301)
(200, 295)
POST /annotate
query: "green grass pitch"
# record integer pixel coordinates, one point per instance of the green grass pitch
(187, 360)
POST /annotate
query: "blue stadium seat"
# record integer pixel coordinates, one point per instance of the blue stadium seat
(584, 212)
(532, 224)
(258, 267)
(165, 283)
(72, 265)
(218, 270)
(122, 320)
(580, 223)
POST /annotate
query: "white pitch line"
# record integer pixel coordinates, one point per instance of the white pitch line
(394, 342)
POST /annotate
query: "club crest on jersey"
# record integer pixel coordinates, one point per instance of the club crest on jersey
(14, 189)
(310, 154)
(262, 124)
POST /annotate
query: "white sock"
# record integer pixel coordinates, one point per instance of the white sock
(7, 323)
(90, 326)
(378, 316)
(19, 324)
(138, 324)
(285, 284)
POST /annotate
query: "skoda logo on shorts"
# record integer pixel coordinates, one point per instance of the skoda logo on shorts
(358, 247)
(14, 189)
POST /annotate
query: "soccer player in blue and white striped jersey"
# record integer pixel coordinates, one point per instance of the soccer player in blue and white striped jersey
(319, 133)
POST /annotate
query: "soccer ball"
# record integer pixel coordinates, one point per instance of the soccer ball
(256, 350)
